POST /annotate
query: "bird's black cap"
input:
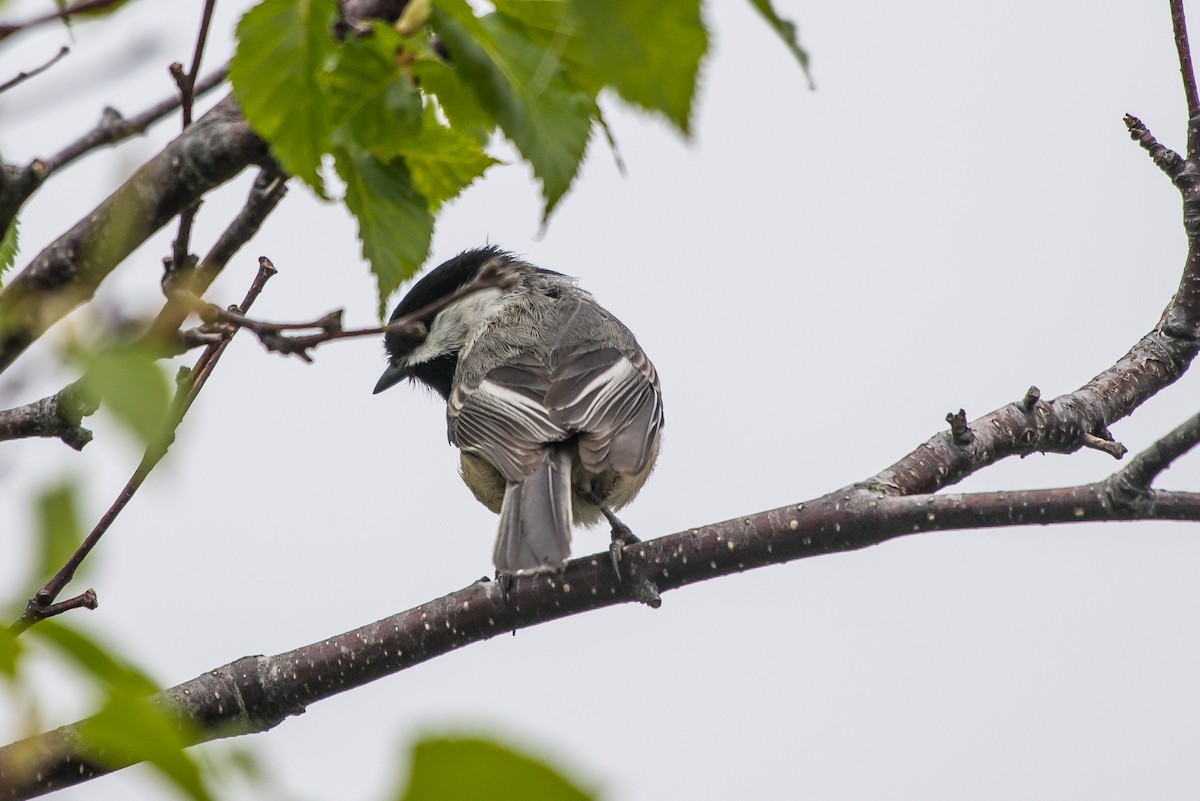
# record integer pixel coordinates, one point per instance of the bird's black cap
(440, 282)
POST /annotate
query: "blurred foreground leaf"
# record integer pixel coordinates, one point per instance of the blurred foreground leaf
(10, 653)
(94, 659)
(786, 29)
(59, 531)
(470, 769)
(129, 727)
(130, 384)
(9, 247)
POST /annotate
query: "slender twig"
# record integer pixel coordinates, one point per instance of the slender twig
(114, 128)
(1111, 447)
(21, 77)
(329, 327)
(41, 605)
(268, 190)
(181, 260)
(18, 183)
(187, 81)
(7, 29)
(58, 415)
(1183, 49)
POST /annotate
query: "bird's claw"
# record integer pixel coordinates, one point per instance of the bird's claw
(621, 536)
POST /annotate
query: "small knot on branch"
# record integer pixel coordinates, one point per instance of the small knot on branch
(39, 170)
(1163, 157)
(643, 590)
(1032, 396)
(959, 432)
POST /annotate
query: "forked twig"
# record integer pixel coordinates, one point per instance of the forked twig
(41, 605)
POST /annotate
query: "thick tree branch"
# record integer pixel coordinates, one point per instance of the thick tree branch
(18, 183)
(256, 693)
(58, 416)
(1131, 486)
(65, 274)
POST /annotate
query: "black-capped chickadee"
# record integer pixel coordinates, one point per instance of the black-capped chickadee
(556, 409)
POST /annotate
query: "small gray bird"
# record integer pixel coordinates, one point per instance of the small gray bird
(556, 409)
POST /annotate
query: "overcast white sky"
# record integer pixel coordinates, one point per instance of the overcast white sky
(955, 214)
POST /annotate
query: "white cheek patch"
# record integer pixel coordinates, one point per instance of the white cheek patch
(455, 324)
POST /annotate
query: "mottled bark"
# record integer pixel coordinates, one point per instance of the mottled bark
(216, 148)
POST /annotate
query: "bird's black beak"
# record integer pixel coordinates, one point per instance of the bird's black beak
(394, 374)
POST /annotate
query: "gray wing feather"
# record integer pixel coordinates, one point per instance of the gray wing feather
(611, 399)
(503, 417)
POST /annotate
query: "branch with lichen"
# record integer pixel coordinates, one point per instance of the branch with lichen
(58, 416)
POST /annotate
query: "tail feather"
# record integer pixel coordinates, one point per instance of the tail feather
(535, 518)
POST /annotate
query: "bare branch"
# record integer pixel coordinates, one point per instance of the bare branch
(7, 29)
(1131, 485)
(256, 693)
(269, 188)
(59, 416)
(41, 605)
(1106, 444)
(114, 128)
(65, 274)
(18, 183)
(181, 258)
(23, 76)
(1184, 52)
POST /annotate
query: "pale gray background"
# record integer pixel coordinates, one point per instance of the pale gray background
(955, 214)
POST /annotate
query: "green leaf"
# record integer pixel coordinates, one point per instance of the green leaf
(59, 528)
(94, 659)
(282, 49)
(372, 99)
(395, 225)
(547, 117)
(10, 653)
(9, 247)
(473, 768)
(129, 727)
(131, 385)
(132, 728)
(442, 161)
(786, 29)
(102, 11)
(456, 99)
(649, 53)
